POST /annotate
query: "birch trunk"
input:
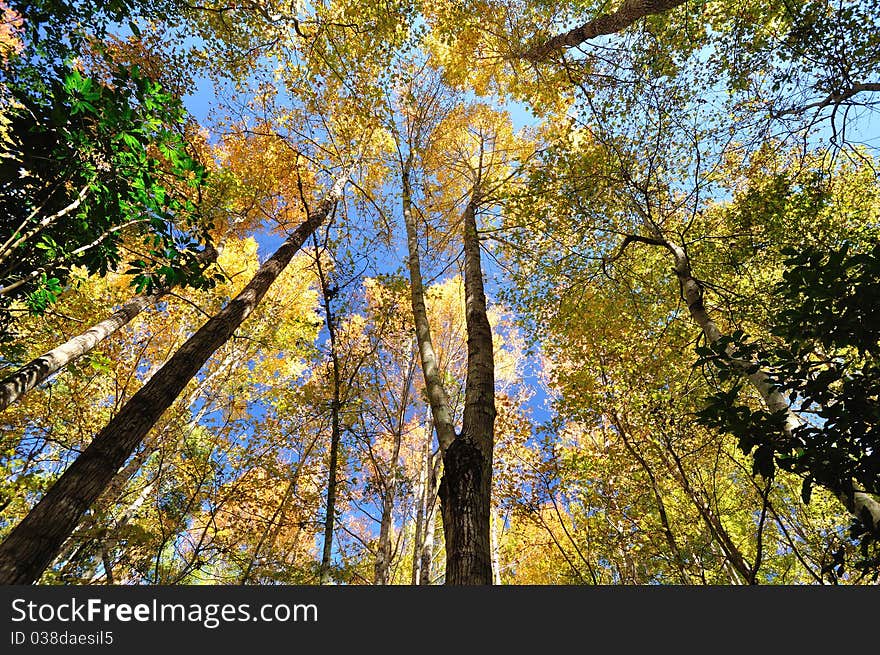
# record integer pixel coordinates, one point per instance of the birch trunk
(426, 559)
(861, 505)
(496, 550)
(14, 386)
(33, 543)
(421, 495)
(37, 371)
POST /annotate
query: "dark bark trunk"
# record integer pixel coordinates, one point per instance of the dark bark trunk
(33, 543)
(335, 405)
(467, 464)
(628, 13)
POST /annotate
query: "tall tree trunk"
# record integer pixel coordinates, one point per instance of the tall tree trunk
(466, 486)
(335, 431)
(437, 397)
(15, 385)
(33, 543)
(467, 457)
(385, 552)
(422, 487)
(628, 13)
(418, 540)
(496, 549)
(861, 505)
(426, 557)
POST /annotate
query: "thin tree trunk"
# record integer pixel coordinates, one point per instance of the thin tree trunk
(421, 493)
(437, 397)
(466, 486)
(33, 543)
(622, 426)
(30, 375)
(107, 542)
(628, 13)
(273, 527)
(861, 505)
(335, 406)
(424, 487)
(496, 549)
(385, 553)
(426, 556)
(733, 556)
(14, 386)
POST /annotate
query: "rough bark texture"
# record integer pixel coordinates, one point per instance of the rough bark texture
(33, 543)
(466, 486)
(628, 13)
(861, 505)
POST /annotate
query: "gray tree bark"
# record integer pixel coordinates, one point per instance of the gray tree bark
(859, 504)
(14, 386)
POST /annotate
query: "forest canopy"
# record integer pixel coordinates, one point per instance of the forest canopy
(478, 292)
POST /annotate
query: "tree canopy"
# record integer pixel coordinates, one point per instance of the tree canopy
(484, 292)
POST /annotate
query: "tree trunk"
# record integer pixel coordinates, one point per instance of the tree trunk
(466, 486)
(30, 375)
(426, 556)
(861, 505)
(335, 406)
(628, 13)
(14, 386)
(437, 397)
(496, 549)
(385, 553)
(422, 487)
(467, 457)
(33, 543)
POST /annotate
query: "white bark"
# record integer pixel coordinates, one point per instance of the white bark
(861, 505)
(30, 375)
